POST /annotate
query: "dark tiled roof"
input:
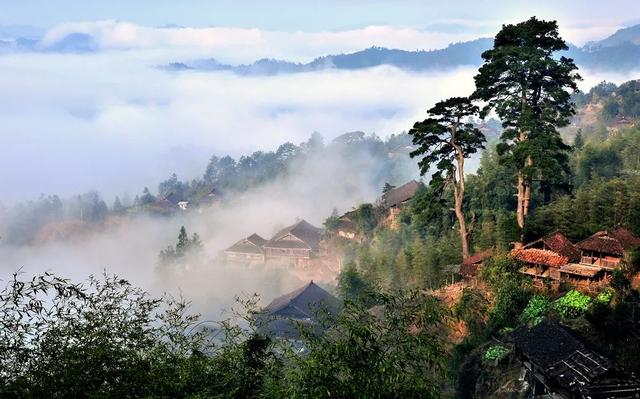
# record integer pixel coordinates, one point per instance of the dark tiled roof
(306, 300)
(172, 198)
(304, 231)
(614, 242)
(558, 243)
(546, 343)
(250, 245)
(540, 257)
(399, 195)
(571, 367)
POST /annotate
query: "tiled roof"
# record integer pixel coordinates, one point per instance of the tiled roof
(250, 245)
(399, 195)
(540, 257)
(308, 234)
(614, 242)
(306, 300)
(558, 243)
(478, 257)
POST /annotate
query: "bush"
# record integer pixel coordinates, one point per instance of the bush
(605, 296)
(495, 352)
(573, 304)
(536, 310)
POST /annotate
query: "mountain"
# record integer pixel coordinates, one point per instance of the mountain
(465, 53)
(619, 52)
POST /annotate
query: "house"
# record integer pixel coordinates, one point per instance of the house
(472, 266)
(295, 245)
(309, 305)
(558, 243)
(346, 227)
(558, 365)
(393, 200)
(248, 250)
(606, 249)
(183, 205)
(540, 263)
(398, 196)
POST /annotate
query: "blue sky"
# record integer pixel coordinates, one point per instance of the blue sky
(288, 15)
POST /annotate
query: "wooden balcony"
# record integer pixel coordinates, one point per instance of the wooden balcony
(603, 263)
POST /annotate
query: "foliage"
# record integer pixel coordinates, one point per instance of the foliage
(495, 352)
(605, 296)
(572, 304)
(472, 308)
(184, 246)
(110, 339)
(536, 310)
(395, 354)
(332, 221)
(529, 88)
(355, 287)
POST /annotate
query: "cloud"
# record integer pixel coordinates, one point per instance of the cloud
(109, 120)
(241, 44)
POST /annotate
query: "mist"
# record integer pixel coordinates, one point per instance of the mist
(112, 121)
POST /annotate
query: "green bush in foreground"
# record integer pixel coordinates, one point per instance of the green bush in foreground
(573, 304)
(536, 310)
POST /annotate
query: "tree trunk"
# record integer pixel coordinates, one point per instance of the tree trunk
(520, 206)
(458, 194)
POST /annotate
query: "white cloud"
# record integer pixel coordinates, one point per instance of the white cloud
(239, 44)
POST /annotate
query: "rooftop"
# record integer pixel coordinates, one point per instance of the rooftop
(539, 257)
(558, 243)
(614, 242)
(400, 194)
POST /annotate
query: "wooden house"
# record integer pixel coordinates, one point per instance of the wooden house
(346, 227)
(392, 201)
(294, 245)
(309, 305)
(606, 249)
(472, 266)
(557, 365)
(558, 243)
(248, 250)
(398, 196)
(540, 263)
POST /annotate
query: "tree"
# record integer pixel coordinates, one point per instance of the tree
(183, 241)
(445, 140)
(529, 88)
(387, 187)
(117, 205)
(578, 142)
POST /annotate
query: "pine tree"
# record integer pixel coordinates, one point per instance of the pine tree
(529, 88)
(183, 242)
(445, 140)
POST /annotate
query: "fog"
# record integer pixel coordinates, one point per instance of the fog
(113, 122)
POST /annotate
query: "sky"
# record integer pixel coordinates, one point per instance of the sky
(292, 15)
(112, 121)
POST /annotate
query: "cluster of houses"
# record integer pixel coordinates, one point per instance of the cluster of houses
(174, 202)
(556, 258)
(301, 243)
(389, 204)
(295, 245)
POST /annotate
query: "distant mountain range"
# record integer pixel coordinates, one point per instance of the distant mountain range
(619, 52)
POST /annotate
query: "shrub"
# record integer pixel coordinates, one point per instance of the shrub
(573, 304)
(536, 309)
(495, 352)
(605, 296)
